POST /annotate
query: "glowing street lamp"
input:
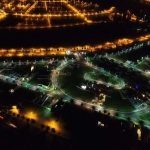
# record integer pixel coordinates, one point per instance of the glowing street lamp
(14, 110)
(139, 134)
(32, 68)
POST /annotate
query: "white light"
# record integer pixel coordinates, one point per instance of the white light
(11, 90)
(83, 87)
(148, 71)
(68, 52)
(32, 68)
(101, 124)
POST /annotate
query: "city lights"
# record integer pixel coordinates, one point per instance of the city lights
(71, 68)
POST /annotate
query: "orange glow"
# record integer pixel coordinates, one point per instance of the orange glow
(20, 54)
(31, 115)
(53, 124)
(14, 110)
(62, 50)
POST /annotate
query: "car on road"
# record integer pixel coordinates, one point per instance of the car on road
(12, 125)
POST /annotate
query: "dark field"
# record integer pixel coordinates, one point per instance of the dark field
(70, 36)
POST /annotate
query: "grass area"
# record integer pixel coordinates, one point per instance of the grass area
(2, 65)
(142, 66)
(5, 86)
(134, 55)
(40, 80)
(145, 117)
(6, 72)
(49, 88)
(46, 88)
(117, 103)
(69, 83)
(104, 78)
(40, 66)
(25, 94)
(120, 58)
(9, 99)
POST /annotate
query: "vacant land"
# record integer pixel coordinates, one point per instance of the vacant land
(117, 103)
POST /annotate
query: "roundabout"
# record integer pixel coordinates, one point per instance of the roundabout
(87, 97)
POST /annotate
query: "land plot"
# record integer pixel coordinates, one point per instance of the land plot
(22, 69)
(104, 78)
(8, 99)
(40, 79)
(2, 65)
(98, 17)
(90, 7)
(133, 55)
(39, 9)
(57, 7)
(10, 21)
(130, 77)
(143, 66)
(105, 64)
(145, 117)
(5, 86)
(32, 21)
(116, 102)
(66, 20)
(6, 72)
(25, 94)
(76, 79)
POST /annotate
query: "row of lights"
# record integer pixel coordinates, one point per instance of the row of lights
(62, 50)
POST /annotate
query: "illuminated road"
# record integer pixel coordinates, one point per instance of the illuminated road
(86, 48)
(119, 86)
(27, 11)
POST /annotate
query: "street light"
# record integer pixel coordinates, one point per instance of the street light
(14, 109)
(31, 115)
(139, 134)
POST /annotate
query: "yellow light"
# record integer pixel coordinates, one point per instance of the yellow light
(53, 124)
(139, 134)
(20, 54)
(31, 115)
(14, 107)
(15, 110)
